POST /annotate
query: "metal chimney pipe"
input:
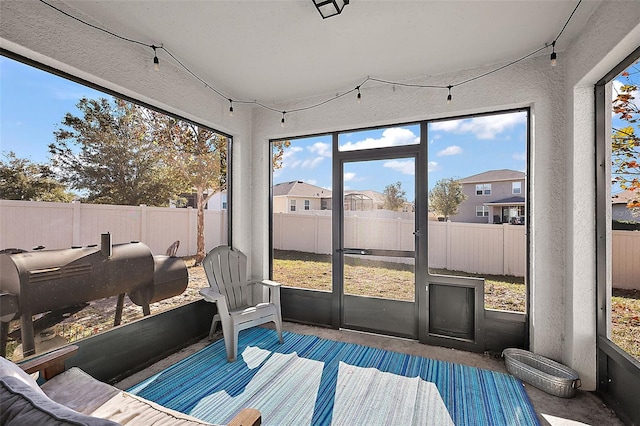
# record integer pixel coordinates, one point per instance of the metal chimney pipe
(105, 245)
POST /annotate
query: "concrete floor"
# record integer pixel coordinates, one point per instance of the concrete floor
(585, 408)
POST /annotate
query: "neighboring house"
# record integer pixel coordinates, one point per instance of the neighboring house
(619, 209)
(297, 196)
(495, 196)
(217, 202)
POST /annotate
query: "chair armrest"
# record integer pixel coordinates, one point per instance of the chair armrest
(210, 295)
(270, 283)
(51, 363)
(247, 417)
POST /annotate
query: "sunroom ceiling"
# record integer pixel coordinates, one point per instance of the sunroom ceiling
(274, 51)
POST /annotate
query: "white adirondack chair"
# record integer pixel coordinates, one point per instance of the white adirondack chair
(235, 297)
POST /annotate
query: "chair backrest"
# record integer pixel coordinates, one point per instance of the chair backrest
(226, 270)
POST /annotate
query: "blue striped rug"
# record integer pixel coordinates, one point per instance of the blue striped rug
(313, 381)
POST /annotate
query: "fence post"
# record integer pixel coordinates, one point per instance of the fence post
(143, 224)
(187, 243)
(504, 248)
(315, 232)
(75, 224)
(448, 242)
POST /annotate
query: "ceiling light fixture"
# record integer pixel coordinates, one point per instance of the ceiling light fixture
(328, 8)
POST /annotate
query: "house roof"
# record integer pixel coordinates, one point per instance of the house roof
(494, 176)
(297, 188)
(511, 201)
(625, 196)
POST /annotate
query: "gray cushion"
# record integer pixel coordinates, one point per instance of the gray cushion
(79, 391)
(20, 404)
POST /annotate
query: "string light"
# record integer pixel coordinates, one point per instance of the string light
(156, 61)
(156, 65)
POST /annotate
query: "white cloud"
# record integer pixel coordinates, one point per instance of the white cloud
(406, 167)
(390, 137)
(450, 150)
(321, 148)
(432, 166)
(520, 156)
(487, 127)
(289, 154)
(311, 163)
(310, 181)
(349, 176)
(290, 160)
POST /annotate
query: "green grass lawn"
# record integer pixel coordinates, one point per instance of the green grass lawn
(393, 281)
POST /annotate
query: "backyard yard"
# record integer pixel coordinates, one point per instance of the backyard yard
(307, 270)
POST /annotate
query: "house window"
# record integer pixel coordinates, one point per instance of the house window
(224, 201)
(293, 206)
(307, 205)
(483, 189)
(516, 187)
(482, 211)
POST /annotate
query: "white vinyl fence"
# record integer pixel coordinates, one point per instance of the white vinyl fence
(26, 224)
(468, 247)
(476, 248)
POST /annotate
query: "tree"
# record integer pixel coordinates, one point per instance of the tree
(277, 153)
(198, 157)
(115, 160)
(21, 179)
(446, 196)
(394, 197)
(625, 142)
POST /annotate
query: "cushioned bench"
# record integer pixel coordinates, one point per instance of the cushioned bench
(73, 397)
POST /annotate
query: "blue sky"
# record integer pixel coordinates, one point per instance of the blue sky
(33, 104)
(457, 148)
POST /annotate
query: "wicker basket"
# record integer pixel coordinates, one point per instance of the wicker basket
(543, 373)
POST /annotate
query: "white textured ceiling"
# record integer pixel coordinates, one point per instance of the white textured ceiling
(274, 51)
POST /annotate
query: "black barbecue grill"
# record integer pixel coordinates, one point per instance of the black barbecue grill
(34, 282)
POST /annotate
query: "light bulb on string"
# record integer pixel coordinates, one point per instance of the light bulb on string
(230, 108)
(553, 54)
(282, 121)
(156, 61)
(449, 99)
